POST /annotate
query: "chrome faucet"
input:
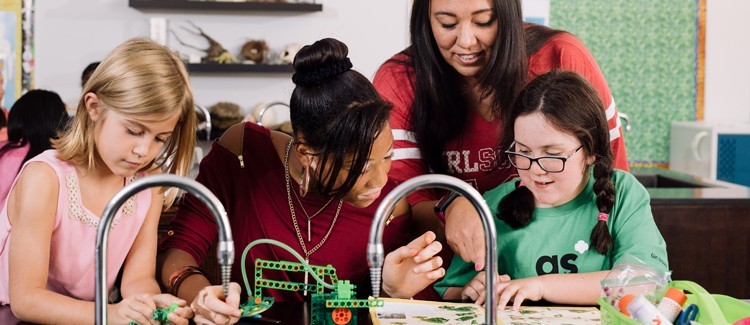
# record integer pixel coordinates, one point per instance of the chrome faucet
(375, 246)
(264, 109)
(225, 245)
(207, 115)
(626, 119)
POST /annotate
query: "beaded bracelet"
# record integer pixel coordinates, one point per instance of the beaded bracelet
(175, 280)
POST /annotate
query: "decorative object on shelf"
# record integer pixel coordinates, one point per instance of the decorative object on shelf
(262, 115)
(214, 53)
(225, 114)
(287, 56)
(253, 51)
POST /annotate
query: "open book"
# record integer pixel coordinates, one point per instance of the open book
(404, 312)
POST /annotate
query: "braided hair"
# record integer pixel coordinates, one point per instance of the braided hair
(569, 103)
(336, 110)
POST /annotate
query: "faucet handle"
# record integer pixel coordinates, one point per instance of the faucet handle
(625, 119)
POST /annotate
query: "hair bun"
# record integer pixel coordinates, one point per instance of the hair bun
(316, 76)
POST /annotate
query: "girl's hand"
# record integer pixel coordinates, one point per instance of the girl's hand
(137, 308)
(210, 307)
(181, 315)
(518, 291)
(475, 289)
(411, 268)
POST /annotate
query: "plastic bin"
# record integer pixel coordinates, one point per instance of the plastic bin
(712, 309)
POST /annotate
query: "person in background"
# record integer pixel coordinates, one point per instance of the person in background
(571, 216)
(34, 120)
(451, 91)
(86, 74)
(135, 118)
(316, 191)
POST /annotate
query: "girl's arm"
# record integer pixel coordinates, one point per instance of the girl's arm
(565, 289)
(139, 269)
(206, 301)
(32, 205)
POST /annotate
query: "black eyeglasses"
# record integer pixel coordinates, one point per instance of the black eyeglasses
(550, 164)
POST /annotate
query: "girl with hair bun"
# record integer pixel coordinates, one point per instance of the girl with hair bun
(571, 216)
(316, 191)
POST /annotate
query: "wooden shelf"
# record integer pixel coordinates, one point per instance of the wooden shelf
(224, 5)
(239, 68)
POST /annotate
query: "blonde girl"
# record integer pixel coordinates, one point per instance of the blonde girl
(135, 118)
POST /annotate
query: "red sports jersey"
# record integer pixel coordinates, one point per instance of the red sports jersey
(472, 157)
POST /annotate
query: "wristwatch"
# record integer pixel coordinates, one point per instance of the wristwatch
(443, 204)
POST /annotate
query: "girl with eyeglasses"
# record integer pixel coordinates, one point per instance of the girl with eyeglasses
(571, 216)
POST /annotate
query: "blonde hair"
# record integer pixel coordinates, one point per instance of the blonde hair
(144, 81)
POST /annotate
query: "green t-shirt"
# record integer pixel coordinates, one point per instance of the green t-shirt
(557, 240)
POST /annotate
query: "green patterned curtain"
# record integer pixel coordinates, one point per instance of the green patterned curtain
(648, 52)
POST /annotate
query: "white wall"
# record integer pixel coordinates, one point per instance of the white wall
(727, 61)
(72, 33)
(374, 30)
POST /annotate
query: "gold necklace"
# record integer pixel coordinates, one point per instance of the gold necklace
(294, 215)
(310, 217)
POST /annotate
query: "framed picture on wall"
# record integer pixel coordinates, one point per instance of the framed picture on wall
(9, 57)
(16, 48)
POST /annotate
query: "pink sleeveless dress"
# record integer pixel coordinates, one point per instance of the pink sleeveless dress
(72, 249)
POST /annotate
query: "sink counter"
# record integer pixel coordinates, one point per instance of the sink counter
(708, 192)
(705, 224)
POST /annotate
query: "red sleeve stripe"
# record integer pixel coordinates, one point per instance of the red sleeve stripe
(406, 153)
(404, 135)
(611, 112)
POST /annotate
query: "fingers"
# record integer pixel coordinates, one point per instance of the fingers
(211, 309)
(470, 292)
(504, 278)
(503, 295)
(436, 274)
(215, 304)
(180, 316)
(429, 265)
(481, 297)
(478, 253)
(518, 299)
(428, 252)
(400, 254)
(474, 290)
(507, 292)
(140, 310)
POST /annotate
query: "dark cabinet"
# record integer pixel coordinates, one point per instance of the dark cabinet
(708, 244)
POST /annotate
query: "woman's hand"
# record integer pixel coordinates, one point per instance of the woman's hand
(475, 289)
(210, 307)
(519, 290)
(464, 232)
(411, 268)
(179, 316)
(137, 308)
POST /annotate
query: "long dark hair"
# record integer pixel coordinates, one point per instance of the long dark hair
(336, 110)
(439, 108)
(570, 104)
(34, 119)
(537, 35)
